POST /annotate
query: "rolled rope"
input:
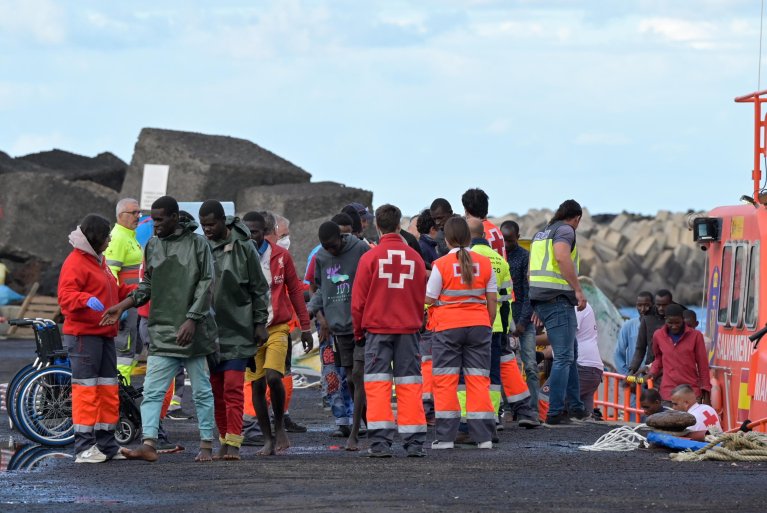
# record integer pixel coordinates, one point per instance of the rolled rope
(751, 446)
(622, 439)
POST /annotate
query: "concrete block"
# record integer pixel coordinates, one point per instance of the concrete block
(619, 222)
(646, 249)
(614, 273)
(616, 241)
(604, 253)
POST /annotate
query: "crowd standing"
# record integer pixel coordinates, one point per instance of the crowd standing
(453, 314)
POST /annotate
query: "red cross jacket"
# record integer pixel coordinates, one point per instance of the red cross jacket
(389, 289)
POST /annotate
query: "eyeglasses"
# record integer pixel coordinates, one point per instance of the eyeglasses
(132, 212)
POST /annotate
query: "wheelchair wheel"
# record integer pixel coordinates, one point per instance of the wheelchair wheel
(37, 456)
(11, 392)
(44, 406)
(126, 431)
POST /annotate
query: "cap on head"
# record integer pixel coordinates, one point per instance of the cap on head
(362, 211)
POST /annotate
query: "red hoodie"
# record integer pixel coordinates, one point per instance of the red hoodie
(287, 289)
(82, 277)
(389, 289)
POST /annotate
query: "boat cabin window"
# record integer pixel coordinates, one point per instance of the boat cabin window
(738, 285)
(753, 286)
(726, 285)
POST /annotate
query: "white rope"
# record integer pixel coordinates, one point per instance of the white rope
(624, 438)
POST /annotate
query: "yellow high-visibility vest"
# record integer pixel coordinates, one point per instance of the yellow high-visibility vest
(544, 268)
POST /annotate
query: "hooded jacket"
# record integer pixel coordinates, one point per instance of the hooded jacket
(85, 274)
(178, 279)
(334, 277)
(241, 291)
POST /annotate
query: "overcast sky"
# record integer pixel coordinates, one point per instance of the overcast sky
(622, 105)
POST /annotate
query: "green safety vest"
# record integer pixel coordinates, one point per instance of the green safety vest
(544, 268)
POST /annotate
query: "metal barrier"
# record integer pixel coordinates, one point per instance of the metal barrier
(758, 425)
(615, 403)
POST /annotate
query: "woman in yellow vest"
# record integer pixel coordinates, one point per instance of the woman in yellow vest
(463, 293)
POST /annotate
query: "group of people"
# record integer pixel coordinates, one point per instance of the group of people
(447, 313)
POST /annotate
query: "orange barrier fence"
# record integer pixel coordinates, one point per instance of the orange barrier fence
(758, 425)
(615, 401)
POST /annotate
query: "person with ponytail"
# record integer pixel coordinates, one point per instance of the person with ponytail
(462, 292)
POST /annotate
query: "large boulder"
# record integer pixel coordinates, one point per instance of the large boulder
(300, 202)
(37, 213)
(207, 166)
(104, 169)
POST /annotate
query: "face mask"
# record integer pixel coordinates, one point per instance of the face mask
(284, 242)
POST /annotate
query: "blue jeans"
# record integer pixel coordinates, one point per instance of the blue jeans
(334, 386)
(558, 317)
(160, 372)
(529, 363)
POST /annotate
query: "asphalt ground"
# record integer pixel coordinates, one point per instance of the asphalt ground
(530, 470)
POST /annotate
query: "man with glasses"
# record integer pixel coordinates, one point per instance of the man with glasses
(124, 256)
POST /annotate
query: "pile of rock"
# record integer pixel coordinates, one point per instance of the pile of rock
(625, 254)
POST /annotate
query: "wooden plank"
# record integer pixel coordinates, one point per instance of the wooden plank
(45, 300)
(25, 306)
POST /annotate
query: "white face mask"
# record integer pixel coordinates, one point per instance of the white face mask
(284, 242)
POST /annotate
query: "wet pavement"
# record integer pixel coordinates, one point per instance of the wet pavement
(538, 470)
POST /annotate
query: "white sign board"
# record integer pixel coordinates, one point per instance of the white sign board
(193, 207)
(154, 185)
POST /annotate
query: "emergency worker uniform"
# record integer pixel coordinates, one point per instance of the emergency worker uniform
(387, 311)
(461, 344)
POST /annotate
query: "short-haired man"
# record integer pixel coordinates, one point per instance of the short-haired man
(241, 301)
(651, 402)
(680, 356)
(475, 205)
(554, 290)
(683, 398)
(651, 322)
(627, 337)
(387, 312)
(335, 268)
(124, 257)
(441, 211)
(286, 296)
(427, 230)
(182, 332)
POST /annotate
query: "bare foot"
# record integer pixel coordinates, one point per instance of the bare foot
(232, 453)
(204, 455)
(281, 441)
(352, 444)
(144, 452)
(268, 449)
(221, 453)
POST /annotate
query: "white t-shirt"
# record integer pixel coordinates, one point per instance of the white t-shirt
(434, 285)
(588, 339)
(705, 416)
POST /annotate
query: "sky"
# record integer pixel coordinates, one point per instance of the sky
(619, 104)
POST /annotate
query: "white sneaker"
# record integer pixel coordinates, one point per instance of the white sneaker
(92, 455)
(436, 444)
(485, 445)
(118, 456)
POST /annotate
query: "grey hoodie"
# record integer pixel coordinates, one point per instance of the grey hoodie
(334, 277)
(78, 241)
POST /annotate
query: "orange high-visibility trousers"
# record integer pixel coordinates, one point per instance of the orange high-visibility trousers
(394, 358)
(514, 385)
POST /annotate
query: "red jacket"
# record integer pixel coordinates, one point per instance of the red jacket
(389, 289)
(685, 363)
(287, 289)
(83, 277)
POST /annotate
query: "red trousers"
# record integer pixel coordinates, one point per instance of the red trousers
(229, 401)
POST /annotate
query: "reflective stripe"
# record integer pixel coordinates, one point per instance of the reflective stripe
(417, 428)
(550, 274)
(106, 381)
(480, 415)
(443, 303)
(463, 292)
(447, 414)
(496, 388)
(426, 358)
(549, 285)
(508, 358)
(426, 395)
(504, 297)
(472, 371)
(131, 281)
(519, 397)
(445, 371)
(383, 424)
(101, 426)
(79, 428)
(408, 380)
(124, 361)
(114, 263)
(135, 267)
(85, 382)
(461, 388)
(377, 377)
(505, 285)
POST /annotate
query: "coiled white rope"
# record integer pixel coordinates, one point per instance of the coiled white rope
(624, 438)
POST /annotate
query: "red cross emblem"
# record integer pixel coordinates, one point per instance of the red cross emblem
(396, 271)
(710, 420)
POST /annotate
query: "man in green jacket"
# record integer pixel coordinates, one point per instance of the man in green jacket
(178, 279)
(242, 309)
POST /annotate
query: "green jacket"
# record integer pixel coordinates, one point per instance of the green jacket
(178, 279)
(242, 293)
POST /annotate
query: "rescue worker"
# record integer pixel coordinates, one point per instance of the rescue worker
(286, 295)
(387, 313)
(554, 290)
(178, 279)
(475, 204)
(505, 376)
(86, 288)
(124, 256)
(463, 291)
(241, 305)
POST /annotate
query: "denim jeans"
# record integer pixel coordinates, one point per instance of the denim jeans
(160, 371)
(529, 364)
(558, 317)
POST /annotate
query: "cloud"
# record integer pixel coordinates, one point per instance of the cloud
(602, 139)
(699, 35)
(498, 127)
(39, 20)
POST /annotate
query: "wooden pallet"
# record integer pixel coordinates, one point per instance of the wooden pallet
(34, 305)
